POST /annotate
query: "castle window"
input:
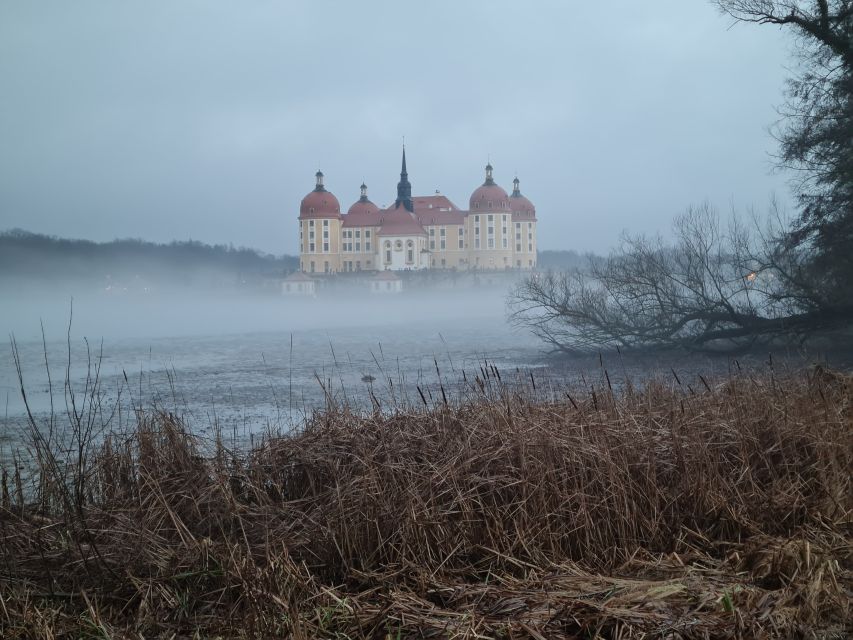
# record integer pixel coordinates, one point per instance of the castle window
(326, 266)
(518, 248)
(505, 243)
(461, 242)
(491, 218)
(442, 232)
(358, 233)
(367, 233)
(477, 244)
(491, 243)
(432, 244)
(311, 222)
(325, 247)
(398, 245)
(325, 223)
(530, 247)
(477, 219)
(367, 245)
(443, 244)
(311, 246)
(358, 246)
(432, 231)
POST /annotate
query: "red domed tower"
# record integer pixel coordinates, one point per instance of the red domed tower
(524, 228)
(358, 234)
(522, 208)
(320, 230)
(319, 203)
(489, 226)
(489, 197)
(362, 208)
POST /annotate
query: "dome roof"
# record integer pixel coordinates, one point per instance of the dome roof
(363, 208)
(489, 196)
(319, 203)
(520, 205)
(363, 213)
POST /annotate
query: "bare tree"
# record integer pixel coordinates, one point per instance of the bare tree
(717, 287)
(815, 132)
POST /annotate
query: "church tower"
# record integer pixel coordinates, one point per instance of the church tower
(404, 188)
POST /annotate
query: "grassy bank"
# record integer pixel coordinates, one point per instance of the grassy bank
(717, 511)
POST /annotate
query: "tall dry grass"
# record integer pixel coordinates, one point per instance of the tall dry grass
(652, 512)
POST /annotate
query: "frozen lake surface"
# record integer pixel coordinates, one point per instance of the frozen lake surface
(250, 363)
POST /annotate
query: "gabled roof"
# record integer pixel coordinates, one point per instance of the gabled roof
(430, 203)
(428, 209)
(399, 222)
(433, 217)
(362, 217)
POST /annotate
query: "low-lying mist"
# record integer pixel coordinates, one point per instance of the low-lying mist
(151, 312)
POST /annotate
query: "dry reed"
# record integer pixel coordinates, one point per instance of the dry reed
(645, 513)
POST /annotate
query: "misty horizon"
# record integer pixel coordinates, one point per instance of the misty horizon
(623, 115)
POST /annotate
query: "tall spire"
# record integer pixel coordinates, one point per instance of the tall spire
(319, 186)
(516, 191)
(363, 197)
(404, 188)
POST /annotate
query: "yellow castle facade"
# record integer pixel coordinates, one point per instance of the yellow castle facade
(497, 231)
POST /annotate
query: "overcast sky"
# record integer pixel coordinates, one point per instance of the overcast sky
(207, 120)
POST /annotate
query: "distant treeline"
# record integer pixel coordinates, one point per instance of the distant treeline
(31, 255)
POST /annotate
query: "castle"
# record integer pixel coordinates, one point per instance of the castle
(498, 231)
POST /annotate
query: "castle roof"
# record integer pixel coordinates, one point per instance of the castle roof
(319, 203)
(522, 208)
(489, 196)
(399, 222)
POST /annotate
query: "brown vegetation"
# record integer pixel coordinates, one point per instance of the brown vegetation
(657, 512)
